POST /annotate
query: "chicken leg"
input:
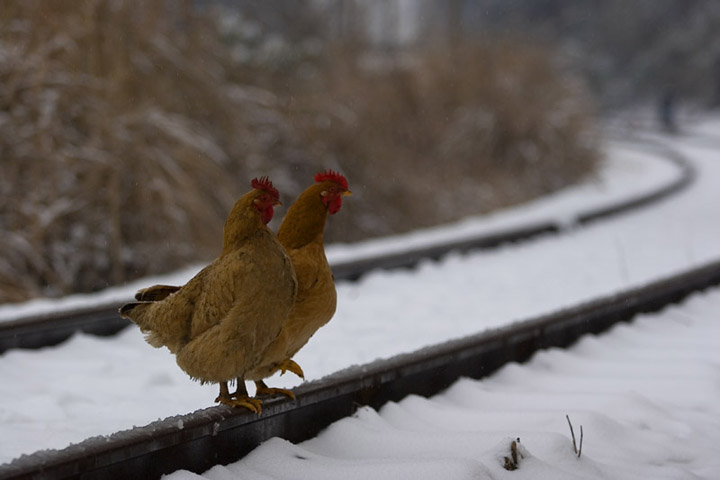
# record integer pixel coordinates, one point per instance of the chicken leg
(238, 399)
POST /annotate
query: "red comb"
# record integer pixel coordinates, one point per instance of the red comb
(332, 176)
(264, 183)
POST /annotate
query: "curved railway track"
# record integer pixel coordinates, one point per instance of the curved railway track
(215, 435)
(51, 329)
(220, 435)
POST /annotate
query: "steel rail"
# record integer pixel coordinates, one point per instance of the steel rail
(50, 329)
(220, 435)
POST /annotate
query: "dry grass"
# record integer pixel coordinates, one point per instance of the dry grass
(122, 144)
(443, 135)
(128, 129)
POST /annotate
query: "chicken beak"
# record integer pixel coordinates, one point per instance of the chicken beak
(277, 203)
(346, 193)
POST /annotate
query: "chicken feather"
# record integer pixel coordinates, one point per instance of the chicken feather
(221, 321)
(301, 233)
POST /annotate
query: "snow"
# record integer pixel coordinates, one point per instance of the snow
(94, 386)
(645, 395)
(627, 173)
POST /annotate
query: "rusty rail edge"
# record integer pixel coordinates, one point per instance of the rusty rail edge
(220, 435)
(51, 329)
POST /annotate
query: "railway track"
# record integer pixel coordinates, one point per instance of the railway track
(53, 328)
(215, 435)
(220, 435)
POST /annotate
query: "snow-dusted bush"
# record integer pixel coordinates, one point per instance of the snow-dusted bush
(122, 142)
(128, 129)
(437, 134)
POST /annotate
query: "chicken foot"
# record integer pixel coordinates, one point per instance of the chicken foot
(263, 389)
(238, 399)
(286, 365)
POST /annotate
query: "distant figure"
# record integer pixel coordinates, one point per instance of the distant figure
(667, 111)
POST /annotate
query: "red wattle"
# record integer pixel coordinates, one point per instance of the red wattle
(334, 205)
(266, 215)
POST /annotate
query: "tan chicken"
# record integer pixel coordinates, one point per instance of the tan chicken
(219, 324)
(301, 233)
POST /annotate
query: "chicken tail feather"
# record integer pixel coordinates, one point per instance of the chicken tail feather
(146, 317)
(155, 293)
(126, 309)
(135, 312)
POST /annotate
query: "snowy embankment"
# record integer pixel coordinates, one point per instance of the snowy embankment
(645, 394)
(92, 386)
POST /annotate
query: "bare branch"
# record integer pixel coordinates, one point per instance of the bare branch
(578, 451)
(572, 432)
(581, 439)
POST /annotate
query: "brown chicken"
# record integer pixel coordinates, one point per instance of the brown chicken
(219, 324)
(301, 233)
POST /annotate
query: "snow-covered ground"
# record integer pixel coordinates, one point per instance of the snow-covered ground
(628, 172)
(645, 394)
(90, 386)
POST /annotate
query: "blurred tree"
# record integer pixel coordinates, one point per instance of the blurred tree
(629, 51)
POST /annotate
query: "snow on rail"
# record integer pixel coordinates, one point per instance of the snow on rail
(628, 172)
(94, 386)
(222, 434)
(645, 394)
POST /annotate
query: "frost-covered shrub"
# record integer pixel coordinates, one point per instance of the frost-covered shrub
(122, 143)
(436, 135)
(128, 129)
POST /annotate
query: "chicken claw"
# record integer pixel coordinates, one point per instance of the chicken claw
(263, 389)
(288, 365)
(238, 399)
(252, 404)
